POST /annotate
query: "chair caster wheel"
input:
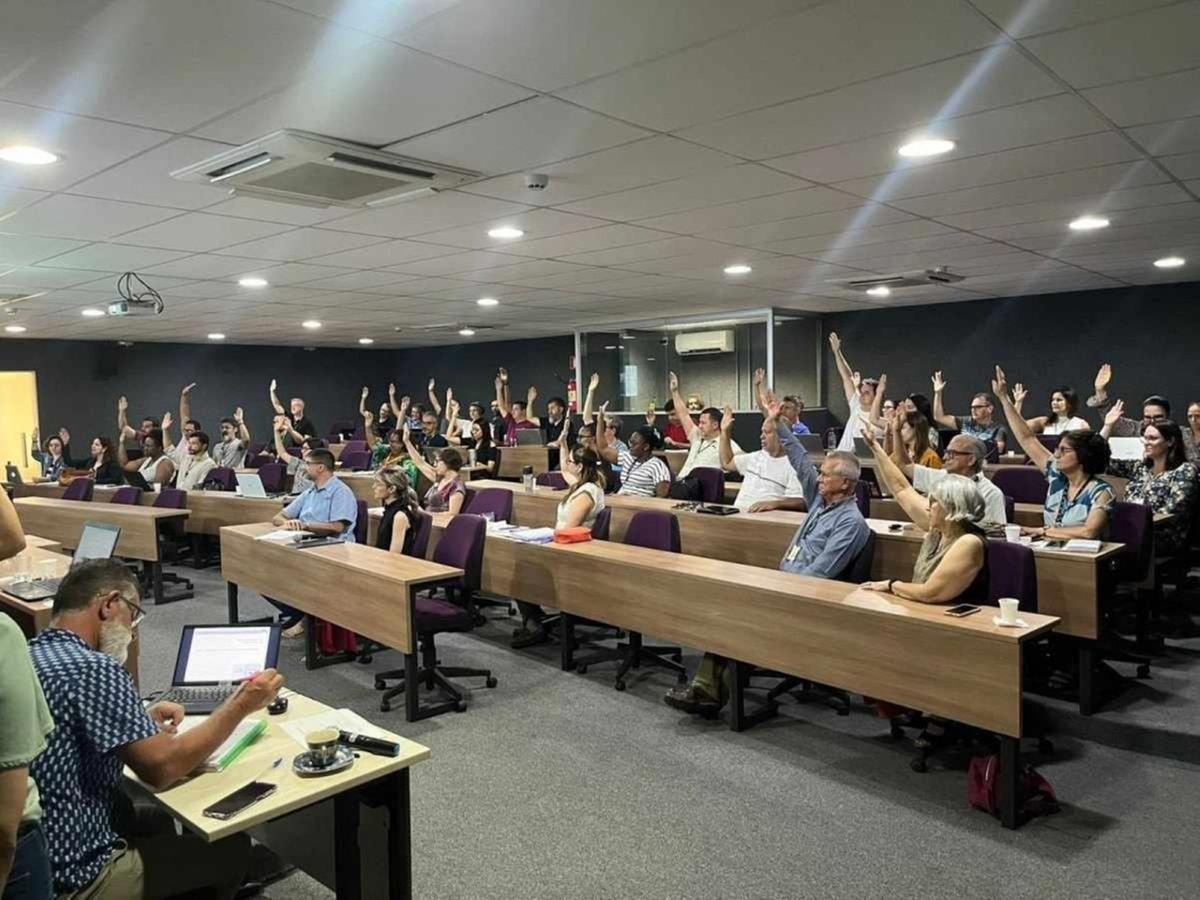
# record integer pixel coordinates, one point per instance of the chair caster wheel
(1143, 671)
(510, 612)
(582, 670)
(897, 733)
(380, 684)
(491, 682)
(842, 711)
(460, 707)
(1045, 747)
(619, 685)
(385, 706)
(918, 765)
(366, 659)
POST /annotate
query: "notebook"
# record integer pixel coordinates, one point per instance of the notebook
(245, 734)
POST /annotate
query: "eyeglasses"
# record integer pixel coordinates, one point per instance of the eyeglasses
(952, 452)
(980, 408)
(139, 614)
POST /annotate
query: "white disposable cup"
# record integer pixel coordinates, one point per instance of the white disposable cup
(157, 488)
(1008, 610)
(1012, 533)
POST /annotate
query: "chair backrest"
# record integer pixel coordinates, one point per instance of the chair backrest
(350, 447)
(355, 460)
(274, 476)
(712, 484)
(862, 496)
(79, 489)
(497, 501)
(253, 450)
(1132, 524)
(1012, 572)
(461, 546)
(991, 452)
(171, 498)
(1010, 509)
(1025, 484)
(859, 568)
(602, 525)
(219, 479)
(653, 529)
(129, 495)
(1049, 441)
(614, 484)
(420, 544)
(360, 523)
(553, 480)
(257, 462)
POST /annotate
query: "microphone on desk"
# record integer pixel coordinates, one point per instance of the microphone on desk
(369, 744)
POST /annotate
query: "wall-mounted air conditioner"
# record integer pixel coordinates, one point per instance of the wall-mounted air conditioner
(700, 343)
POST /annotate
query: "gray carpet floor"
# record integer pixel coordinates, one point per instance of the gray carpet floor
(554, 785)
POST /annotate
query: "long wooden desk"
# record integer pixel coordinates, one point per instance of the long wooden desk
(314, 823)
(1027, 514)
(63, 521)
(368, 591)
(513, 460)
(874, 644)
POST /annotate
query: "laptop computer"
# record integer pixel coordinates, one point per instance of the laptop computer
(811, 443)
(862, 450)
(251, 486)
(530, 437)
(12, 474)
(98, 540)
(213, 659)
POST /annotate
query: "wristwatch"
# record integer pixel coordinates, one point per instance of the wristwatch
(891, 581)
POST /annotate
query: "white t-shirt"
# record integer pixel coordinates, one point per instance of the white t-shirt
(924, 478)
(853, 427)
(704, 452)
(1063, 425)
(593, 491)
(765, 478)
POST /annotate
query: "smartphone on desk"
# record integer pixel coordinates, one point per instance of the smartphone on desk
(245, 796)
(963, 609)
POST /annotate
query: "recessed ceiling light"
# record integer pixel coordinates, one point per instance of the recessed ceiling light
(881, 291)
(253, 282)
(926, 147)
(1088, 223)
(366, 340)
(27, 156)
(15, 329)
(311, 324)
(466, 332)
(216, 336)
(487, 301)
(505, 233)
(739, 269)
(91, 313)
(1170, 262)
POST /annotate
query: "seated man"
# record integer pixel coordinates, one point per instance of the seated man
(791, 409)
(300, 426)
(982, 422)
(101, 726)
(703, 440)
(230, 451)
(189, 425)
(514, 413)
(768, 479)
(964, 455)
(193, 465)
(833, 533)
(642, 473)
(1154, 407)
(430, 437)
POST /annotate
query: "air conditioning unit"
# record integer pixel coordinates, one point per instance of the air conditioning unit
(700, 343)
(312, 170)
(916, 278)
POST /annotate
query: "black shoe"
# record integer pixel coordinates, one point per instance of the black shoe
(689, 699)
(527, 637)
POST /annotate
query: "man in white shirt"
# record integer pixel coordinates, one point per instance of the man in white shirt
(194, 466)
(964, 455)
(769, 481)
(704, 438)
(860, 394)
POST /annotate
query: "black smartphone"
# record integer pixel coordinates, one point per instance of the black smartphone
(896, 526)
(229, 806)
(963, 609)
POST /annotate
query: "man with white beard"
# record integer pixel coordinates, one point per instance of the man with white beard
(101, 726)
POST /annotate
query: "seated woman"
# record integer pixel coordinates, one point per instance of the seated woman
(1191, 434)
(578, 509)
(447, 493)
(1164, 480)
(1077, 501)
(293, 458)
(1064, 403)
(398, 526)
(102, 467)
(53, 454)
(907, 441)
(480, 440)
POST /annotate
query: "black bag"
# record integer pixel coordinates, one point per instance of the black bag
(687, 489)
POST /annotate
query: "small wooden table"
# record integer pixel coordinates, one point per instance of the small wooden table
(315, 823)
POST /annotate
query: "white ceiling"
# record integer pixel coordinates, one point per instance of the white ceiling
(679, 136)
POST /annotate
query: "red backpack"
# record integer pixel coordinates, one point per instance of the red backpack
(1035, 796)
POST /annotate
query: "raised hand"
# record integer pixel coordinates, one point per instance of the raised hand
(773, 410)
(604, 412)
(939, 383)
(999, 383)
(391, 390)
(449, 396)
(1018, 395)
(673, 385)
(166, 421)
(365, 392)
(503, 375)
(187, 390)
(856, 379)
(64, 436)
(835, 342)
(122, 404)
(532, 394)
(1115, 412)
(727, 418)
(273, 384)
(594, 381)
(404, 402)
(37, 436)
(368, 419)
(651, 415)
(281, 424)
(1103, 377)
(881, 388)
(239, 416)
(432, 383)
(760, 375)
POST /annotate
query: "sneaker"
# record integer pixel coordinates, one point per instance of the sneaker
(295, 631)
(527, 637)
(691, 699)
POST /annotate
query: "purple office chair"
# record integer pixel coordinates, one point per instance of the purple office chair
(253, 450)
(274, 477)
(614, 485)
(862, 496)
(1024, 484)
(553, 480)
(712, 484)
(219, 479)
(655, 531)
(174, 538)
(461, 546)
(1049, 441)
(257, 462)
(351, 447)
(600, 528)
(420, 544)
(1132, 524)
(360, 523)
(355, 460)
(1010, 509)
(79, 489)
(130, 496)
(497, 501)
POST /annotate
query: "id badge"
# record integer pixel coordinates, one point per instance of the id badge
(793, 552)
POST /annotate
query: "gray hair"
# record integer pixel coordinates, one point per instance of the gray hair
(88, 580)
(848, 465)
(960, 498)
(978, 450)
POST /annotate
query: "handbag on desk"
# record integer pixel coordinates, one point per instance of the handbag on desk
(69, 475)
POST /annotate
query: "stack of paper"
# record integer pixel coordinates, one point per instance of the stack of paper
(1082, 545)
(282, 536)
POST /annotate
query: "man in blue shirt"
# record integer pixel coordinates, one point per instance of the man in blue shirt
(833, 533)
(101, 727)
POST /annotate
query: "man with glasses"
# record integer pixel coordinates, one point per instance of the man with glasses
(965, 456)
(981, 424)
(101, 727)
(1154, 407)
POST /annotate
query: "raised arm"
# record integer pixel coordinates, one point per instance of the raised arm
(849, 384)
(606, 450)
(1116, 411)
(168, 444)
(899, 448)
(452, 430)
(1099, 398)
(916, 506)
(450, 402)
(531, 396)
(373, 439)
(589, 398)
(280, 429)
(275, 399)
(939, 411)
(796, 454)
(502, 393)
(362, 400)
(726, 445)
(877, 404)
(122, 414)
(760, 390)
(1033, 448)
(433, 398)
(123, 429)
(393, 404)
(417, 459)
(681, 409)
(185, 404)
(239, 416)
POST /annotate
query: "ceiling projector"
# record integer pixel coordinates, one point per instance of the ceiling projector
(139, 300)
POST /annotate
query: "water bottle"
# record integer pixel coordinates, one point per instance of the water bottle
(471, 456)
(527, 479)
(831, 442)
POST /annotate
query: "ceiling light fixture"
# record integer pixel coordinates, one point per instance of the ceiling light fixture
(216, 336)
(15, 329)
(487, 301)
(311, 324)
(253, 282)
(738, 269)
(505, 233)
(926, 147)
(1088, 223)
(92, 313)
(1169, 262)
(365, 341)
(466, 332)
(881, 291)
(27, 156)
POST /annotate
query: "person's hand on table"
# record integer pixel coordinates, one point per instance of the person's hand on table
(1034, 532)
(293, 525)
(763, 506)
(166, 715)
(257, 692)
(883, 587)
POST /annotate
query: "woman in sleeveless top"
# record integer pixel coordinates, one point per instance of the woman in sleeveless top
(398, 525)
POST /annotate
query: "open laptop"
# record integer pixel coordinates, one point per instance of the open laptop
(98, 540)
(12, 474)
(251, 485)
(811, 443)
(213, 659)
(863, 450)
(530, 437)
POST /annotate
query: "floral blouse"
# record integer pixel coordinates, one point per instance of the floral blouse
(1173, 492)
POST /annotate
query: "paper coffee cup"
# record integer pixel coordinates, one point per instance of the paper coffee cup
(1008, 610)
(1012, 533)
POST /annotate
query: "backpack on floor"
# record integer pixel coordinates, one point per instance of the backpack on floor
(1035, 796)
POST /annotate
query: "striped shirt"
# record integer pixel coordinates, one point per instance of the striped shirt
(641, 477)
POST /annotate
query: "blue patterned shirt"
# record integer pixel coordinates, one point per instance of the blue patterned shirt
(97, 712)
(1062, 512)
(332, 503)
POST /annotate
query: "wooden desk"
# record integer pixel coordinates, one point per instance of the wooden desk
(513, 460)
(1027, 514)
(63, 521)
(33, 540)
(673, 458)
(355, 586)
(314, 823)
(968, 669)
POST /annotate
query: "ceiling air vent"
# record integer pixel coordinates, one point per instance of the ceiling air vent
(312, 170)
(916, 278)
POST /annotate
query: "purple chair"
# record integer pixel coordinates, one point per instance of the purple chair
(553, 480)
(862, 496)
(360, 523)
(1024, 484)
(170, 498)
(130, 496)
(174, 538)
(1012, 572)
(274, 477)
(79, 489)
(712, 484)
(1049, 441)
(254, 450)
(461, 546)
(351, 447)
(1132, 524)
(1010, 509)
(614, 485)
(497, 501)
(602, 525)
(420, 544)
(655, 531)
(355, 460)
(219, 479)
(257, 462)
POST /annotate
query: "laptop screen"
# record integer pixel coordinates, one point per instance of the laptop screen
(209, 654)
(98, 540)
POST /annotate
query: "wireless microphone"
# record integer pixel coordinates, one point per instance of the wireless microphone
(369, 744)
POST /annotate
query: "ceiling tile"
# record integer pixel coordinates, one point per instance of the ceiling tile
(271, 211)
(1184, 165)
(111, 257)
(455, 263)
(1178, 136)
(303, 243)
(147, 177)
(1022, 19)
(362, 280)
(581, 241)
(865, 215)
(536, 223)
(12, 199)
(790, 205)
(199, 232)
(427, 214)
(21, 250)
(299, 273)
(1150, 100)
(84, 218)
(208, 266)
(34, 277)
(1112, 203)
